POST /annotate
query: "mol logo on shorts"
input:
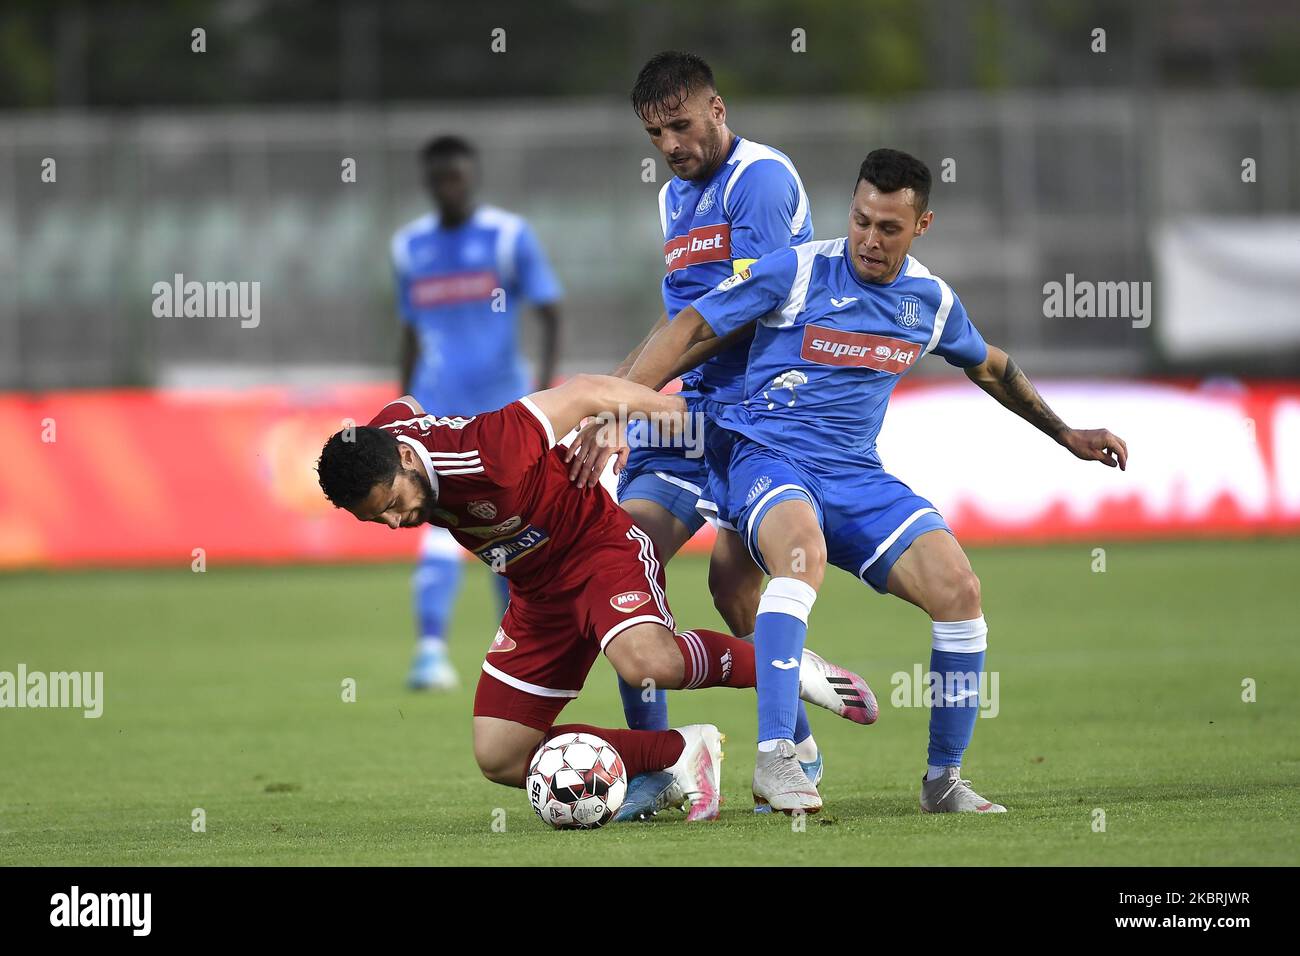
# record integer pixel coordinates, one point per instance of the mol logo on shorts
(501, 643)
(629, 601)
(858, 349)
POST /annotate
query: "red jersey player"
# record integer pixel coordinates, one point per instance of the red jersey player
(583, 578)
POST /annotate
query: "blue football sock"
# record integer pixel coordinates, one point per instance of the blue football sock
(436, 582)
(802, 729)
(644, 714)
(779, 632)
(957, 658)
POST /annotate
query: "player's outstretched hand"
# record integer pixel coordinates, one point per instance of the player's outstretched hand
(593, 446)
(1097, 444)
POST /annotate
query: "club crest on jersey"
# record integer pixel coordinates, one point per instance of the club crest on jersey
(908, 315)
(758, 487)
(629, 601)
(706, 201)
(482, 509)
(501, 643)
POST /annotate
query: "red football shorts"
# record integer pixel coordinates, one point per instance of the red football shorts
(547, 642)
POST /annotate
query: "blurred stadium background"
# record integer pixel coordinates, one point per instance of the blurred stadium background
(1173, 157)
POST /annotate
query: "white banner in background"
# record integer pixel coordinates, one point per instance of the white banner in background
(1228, 286)
(1200, 460)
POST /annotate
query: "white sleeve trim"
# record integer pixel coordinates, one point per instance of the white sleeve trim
(663, 207)
(794, 302)
(940, 317)
(529, 404)
(403, 401)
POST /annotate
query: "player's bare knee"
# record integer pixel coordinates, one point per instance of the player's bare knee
(641, 662)
(964, 595)
(500, 768)
(802, 557)
(807, 561)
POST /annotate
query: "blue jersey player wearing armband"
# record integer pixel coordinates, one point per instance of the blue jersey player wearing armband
(729, 202)
(836, 324)
(461, 274)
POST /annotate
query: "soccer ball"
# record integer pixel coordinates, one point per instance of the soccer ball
(576, 782)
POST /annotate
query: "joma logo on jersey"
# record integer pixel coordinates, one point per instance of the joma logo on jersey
(629, 601)
(858, 349)
(701, 244)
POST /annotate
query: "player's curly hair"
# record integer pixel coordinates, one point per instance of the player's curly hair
(354, 461)
(890, 170)
(667, 81)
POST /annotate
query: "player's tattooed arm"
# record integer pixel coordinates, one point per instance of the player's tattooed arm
(1001, 377)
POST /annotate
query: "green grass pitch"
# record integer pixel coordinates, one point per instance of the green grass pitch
(1119, 691)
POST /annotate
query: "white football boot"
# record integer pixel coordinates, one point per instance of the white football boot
(840, 691)
(780, 781)
(697, 774)
(951, 794)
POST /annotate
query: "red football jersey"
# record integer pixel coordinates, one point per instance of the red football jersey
(503, 491)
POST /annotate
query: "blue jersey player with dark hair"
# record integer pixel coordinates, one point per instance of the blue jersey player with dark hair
(462, 272)
(730, 201)
(794, 466)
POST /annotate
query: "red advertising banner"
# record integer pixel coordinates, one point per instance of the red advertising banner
(138, 476)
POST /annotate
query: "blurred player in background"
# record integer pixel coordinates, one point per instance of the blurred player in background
(730, 201)
(462, 274)
(838, 323)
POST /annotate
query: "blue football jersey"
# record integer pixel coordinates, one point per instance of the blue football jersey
(828, 349)
(754, 204)
(461, 290)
